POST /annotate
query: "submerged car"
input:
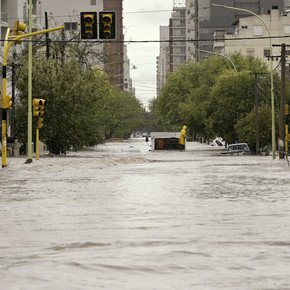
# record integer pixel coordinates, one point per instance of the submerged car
(238, 149)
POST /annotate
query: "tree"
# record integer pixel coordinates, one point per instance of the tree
(73, 99)
(123, 114)
(245, 127)
(211, 96)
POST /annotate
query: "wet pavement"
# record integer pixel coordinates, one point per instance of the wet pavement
(122, 217)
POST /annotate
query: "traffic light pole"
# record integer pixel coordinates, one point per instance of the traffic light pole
(4, 109)
(8, 43)
(37, 143)
(29, 85)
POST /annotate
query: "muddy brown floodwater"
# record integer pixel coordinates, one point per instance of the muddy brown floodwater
(122, 217)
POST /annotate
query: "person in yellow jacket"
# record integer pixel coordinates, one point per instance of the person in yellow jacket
(181, 140)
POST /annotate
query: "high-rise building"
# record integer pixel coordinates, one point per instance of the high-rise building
(67, 13)
(177, 36)
(209, 19)
(163, 61)
(247, 29)
(114, 51)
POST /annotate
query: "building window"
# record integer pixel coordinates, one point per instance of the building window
(266, 52)
(70, 26)
(93, 2)
(258, 30)
(287, 29)
(250, 52)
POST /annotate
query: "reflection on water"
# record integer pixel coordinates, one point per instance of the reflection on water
(112, 219)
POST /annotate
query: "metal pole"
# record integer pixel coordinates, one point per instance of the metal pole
(13, 96)
(4, 92)
(47, 37)
(37, 144)
(282, 103)
(29, 102)
(215, 53)
(271, 72)
(196, 29)
(257, 115)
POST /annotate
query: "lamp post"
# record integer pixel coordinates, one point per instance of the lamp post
(215, 53)
(271, 71)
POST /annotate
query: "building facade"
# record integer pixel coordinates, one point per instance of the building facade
(163, 60)
(210, 19)
(114, 51)
(67, 13)
(249, 29)
(195, 24)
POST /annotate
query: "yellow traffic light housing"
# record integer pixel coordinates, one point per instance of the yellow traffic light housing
(107, 25)
(19, 29)
(39, 111)
(39, 122)
(7, 102)
(89, 27)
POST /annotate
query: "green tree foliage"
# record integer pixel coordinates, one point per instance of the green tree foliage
(245, 127)
(123, 114)
(211, 96)
(80, 105)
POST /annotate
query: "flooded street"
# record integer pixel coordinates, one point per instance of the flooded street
(122, 217)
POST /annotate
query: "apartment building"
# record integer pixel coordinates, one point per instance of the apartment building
(128, 86)
(251, 27)
(209, 19)
(114, 51)
(177, 36)
(67, 13)
(194, 23)
(163, 60)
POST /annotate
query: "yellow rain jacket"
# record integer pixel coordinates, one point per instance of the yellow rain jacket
(182, 135)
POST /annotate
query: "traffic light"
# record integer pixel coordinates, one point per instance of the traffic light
(89, 26)
(39, 111)
(107, 25)
(19, 29)
(7, 102)
(40, 122)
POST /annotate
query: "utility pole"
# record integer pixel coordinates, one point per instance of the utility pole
(29, 100)
(257, 123)
(47, 40)
(12, 116)
(282, 103)
(257, 129)
(282, 134)
(196, 29)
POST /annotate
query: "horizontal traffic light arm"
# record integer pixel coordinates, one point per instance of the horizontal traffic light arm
(14, 38)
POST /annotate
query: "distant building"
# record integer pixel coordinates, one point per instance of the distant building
(194, 24)
(177, 37)
(67, 13)
(163, 60)
(209, 19)
(127, 79)
(251, 27)
(114, 51)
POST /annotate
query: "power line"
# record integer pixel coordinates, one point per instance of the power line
(78, 15)
(157, 41)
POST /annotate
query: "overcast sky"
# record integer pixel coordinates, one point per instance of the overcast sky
(141, 20)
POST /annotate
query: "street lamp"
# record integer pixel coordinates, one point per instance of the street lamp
(215, 53)
(271, 71)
